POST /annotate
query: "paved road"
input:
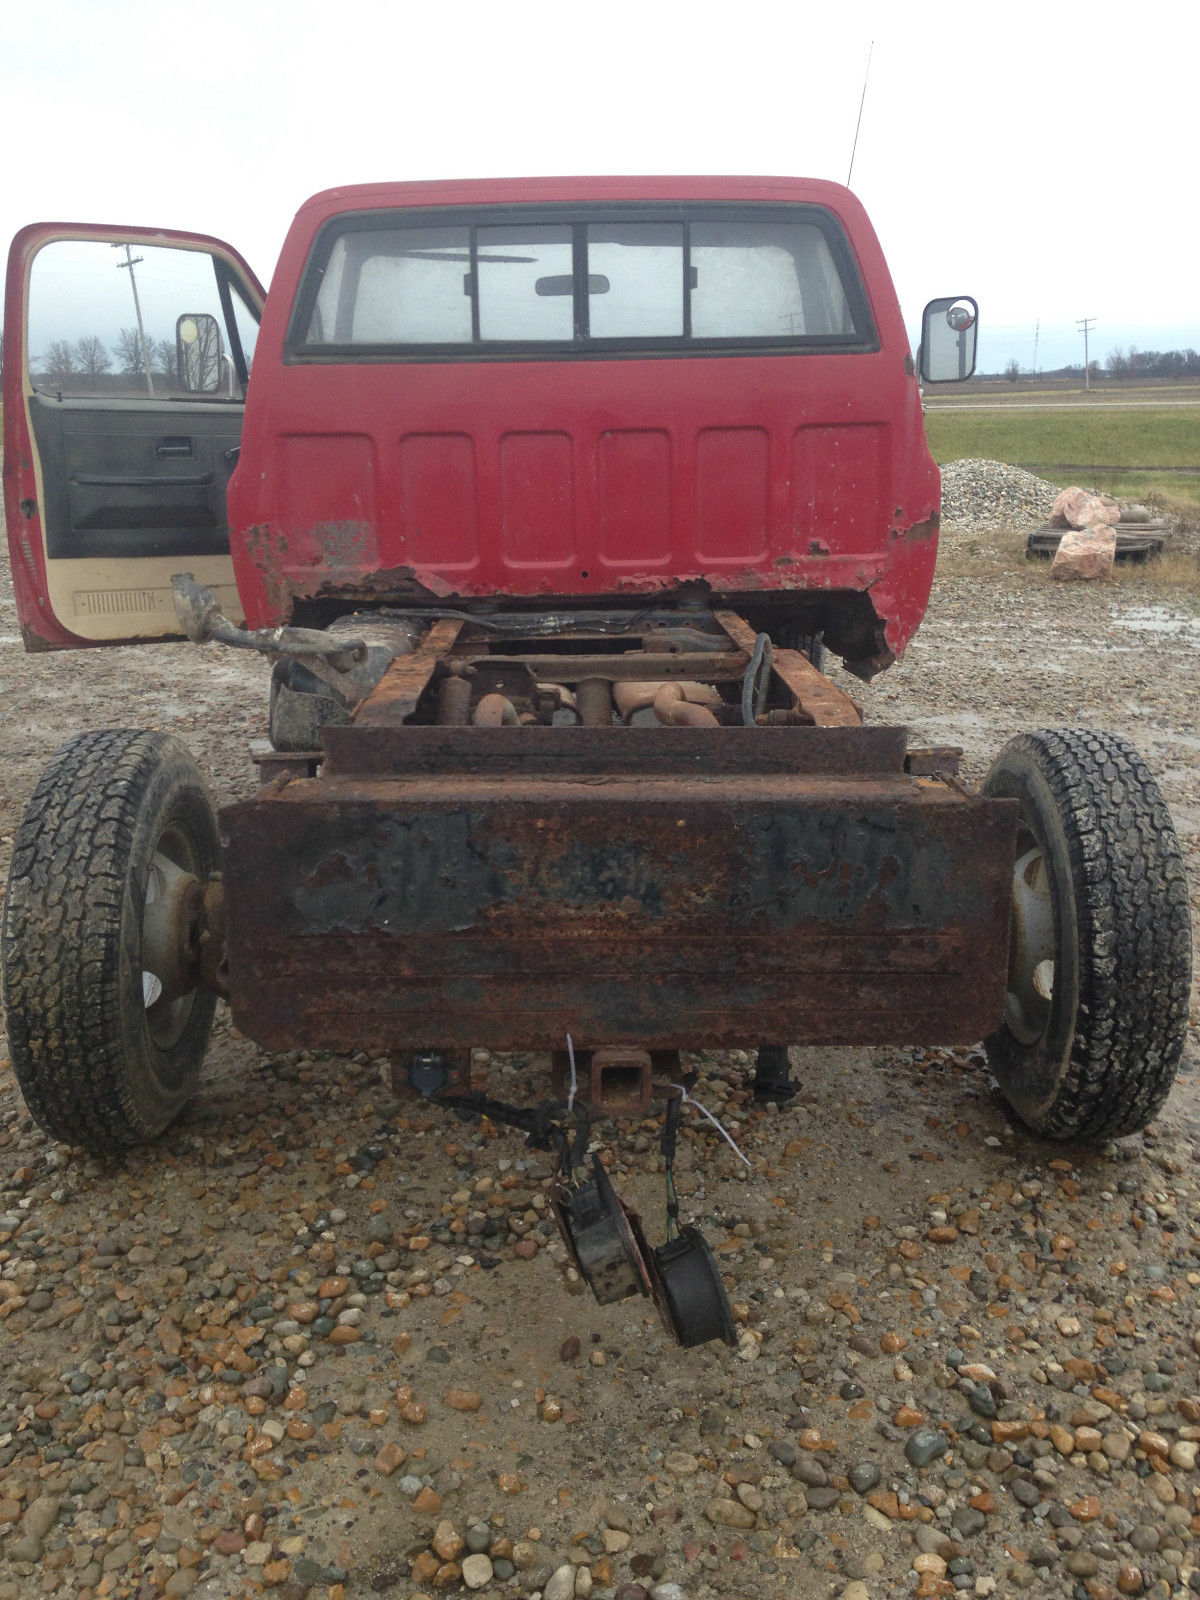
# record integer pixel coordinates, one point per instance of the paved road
(1055, 405)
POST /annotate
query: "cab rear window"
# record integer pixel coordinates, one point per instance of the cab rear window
(443, 284)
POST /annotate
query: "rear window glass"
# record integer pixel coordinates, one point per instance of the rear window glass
(394, 286)
(382, 286)
(635, 280)
(764, 280)
(524, 278)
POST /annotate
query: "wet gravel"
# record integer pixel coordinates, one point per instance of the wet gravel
(318, 1343)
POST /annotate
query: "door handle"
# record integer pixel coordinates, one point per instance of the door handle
(174, 447)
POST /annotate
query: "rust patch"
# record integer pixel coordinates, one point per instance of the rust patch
(388, 583)
(327, 579)
(342, 545)
(268, 551)
(396, 694)
(333, 869)
(264, 544)
(35, 644)
(920, 531)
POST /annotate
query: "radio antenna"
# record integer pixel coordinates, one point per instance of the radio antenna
(861, 103)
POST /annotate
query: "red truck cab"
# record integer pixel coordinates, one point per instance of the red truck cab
(516, 390)
(578, 388)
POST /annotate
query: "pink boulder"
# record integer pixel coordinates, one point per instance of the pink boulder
(1085, 552)
(1079, 508)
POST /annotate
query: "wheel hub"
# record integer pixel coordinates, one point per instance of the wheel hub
(169, 926)
(1031, 969)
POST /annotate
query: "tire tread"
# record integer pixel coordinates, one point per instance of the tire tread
(1134, 929)
(61, 942)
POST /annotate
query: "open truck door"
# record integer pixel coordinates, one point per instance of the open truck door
(127, 352)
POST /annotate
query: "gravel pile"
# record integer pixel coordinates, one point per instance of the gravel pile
(979, 496)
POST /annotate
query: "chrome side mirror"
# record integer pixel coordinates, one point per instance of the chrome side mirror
(948, 336)
(198, 353)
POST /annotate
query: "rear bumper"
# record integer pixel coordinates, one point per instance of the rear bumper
(443, 888)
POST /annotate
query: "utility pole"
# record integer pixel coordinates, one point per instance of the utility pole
(132, 261)
(1037, 330)
(1087, 324)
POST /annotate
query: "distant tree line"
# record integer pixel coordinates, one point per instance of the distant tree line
(88, 357)
(1120, 364)
(1135, 363)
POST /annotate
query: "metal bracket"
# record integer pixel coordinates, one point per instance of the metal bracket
(772, 1074)
(605, 1239)
(327, 655)
(272, 764)
(421, 1074)
(603, 1236)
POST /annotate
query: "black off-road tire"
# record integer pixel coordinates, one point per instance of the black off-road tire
(1114, 1024)
(96, 1065)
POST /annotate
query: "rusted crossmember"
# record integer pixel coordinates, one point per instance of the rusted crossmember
(447, 887)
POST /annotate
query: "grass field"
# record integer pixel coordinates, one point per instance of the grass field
(1144, 452)
(998, 391)
(1147, 451)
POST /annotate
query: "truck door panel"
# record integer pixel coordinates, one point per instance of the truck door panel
(126, 362)
(116, 484)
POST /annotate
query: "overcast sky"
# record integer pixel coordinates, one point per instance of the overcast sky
(1044, 160)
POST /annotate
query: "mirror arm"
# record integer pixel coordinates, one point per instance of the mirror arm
(327, 656)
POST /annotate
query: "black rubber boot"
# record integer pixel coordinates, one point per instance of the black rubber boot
(772, 1075)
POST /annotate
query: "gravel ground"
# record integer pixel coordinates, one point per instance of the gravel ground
(310, 1345)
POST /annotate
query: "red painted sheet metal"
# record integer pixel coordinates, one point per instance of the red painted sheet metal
(753, 472)
(328, 482)
(631, 490)
(537, 501)
(435, 504)
(733, 491)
